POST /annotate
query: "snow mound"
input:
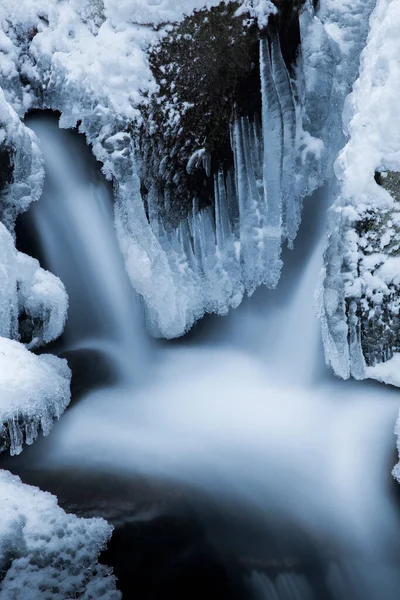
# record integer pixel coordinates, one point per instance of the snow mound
(361, 288)
(34, 390)
(46, 553)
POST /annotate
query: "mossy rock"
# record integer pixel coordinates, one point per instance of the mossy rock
(207, 69)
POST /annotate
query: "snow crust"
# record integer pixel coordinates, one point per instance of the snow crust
(362, 272)
(46, 553)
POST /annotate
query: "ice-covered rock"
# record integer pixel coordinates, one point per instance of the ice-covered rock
(34, 390)
(21, 169)
(91, 61)
(46, 553)
(360, 312)
(60, 56)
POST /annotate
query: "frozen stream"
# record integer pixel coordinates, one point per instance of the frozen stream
(242, 414)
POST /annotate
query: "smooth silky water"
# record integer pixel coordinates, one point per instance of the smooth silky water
(232, 462)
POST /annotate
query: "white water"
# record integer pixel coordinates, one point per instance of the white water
(75, 225)
(247, 413)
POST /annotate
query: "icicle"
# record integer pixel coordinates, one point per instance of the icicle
(272, 125)
(16, 436)
(232, 202)
(290, 195)
(222, 223)
(248, 214)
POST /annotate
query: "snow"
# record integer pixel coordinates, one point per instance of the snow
(43, 299)
(46, 553)
(387, 372)
(259, 9)
(30, 292)
(362, 263)
(34, 390)
(89, 62)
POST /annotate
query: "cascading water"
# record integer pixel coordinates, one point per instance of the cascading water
(76, 233)
(247, 415)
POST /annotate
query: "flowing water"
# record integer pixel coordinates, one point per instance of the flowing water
(238, 433)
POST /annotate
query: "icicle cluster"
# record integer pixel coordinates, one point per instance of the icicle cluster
(224, 251)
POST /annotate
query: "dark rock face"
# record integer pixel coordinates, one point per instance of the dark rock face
(208, 72)
(207, 68)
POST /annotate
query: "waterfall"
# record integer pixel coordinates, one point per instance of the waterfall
(248, 415)
(74, 222)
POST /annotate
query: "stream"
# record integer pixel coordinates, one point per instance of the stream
(232, 463)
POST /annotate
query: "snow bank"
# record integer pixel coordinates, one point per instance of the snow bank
(361, 288)
(46, 553)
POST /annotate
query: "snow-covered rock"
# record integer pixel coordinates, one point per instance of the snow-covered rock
(46, 553)
(360, 312)
(34, 390)
(89, 60)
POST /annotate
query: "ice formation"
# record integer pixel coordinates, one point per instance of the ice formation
(60, 56)
(46, 553)
(34, 390)
(208, 262)
(360, 291)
